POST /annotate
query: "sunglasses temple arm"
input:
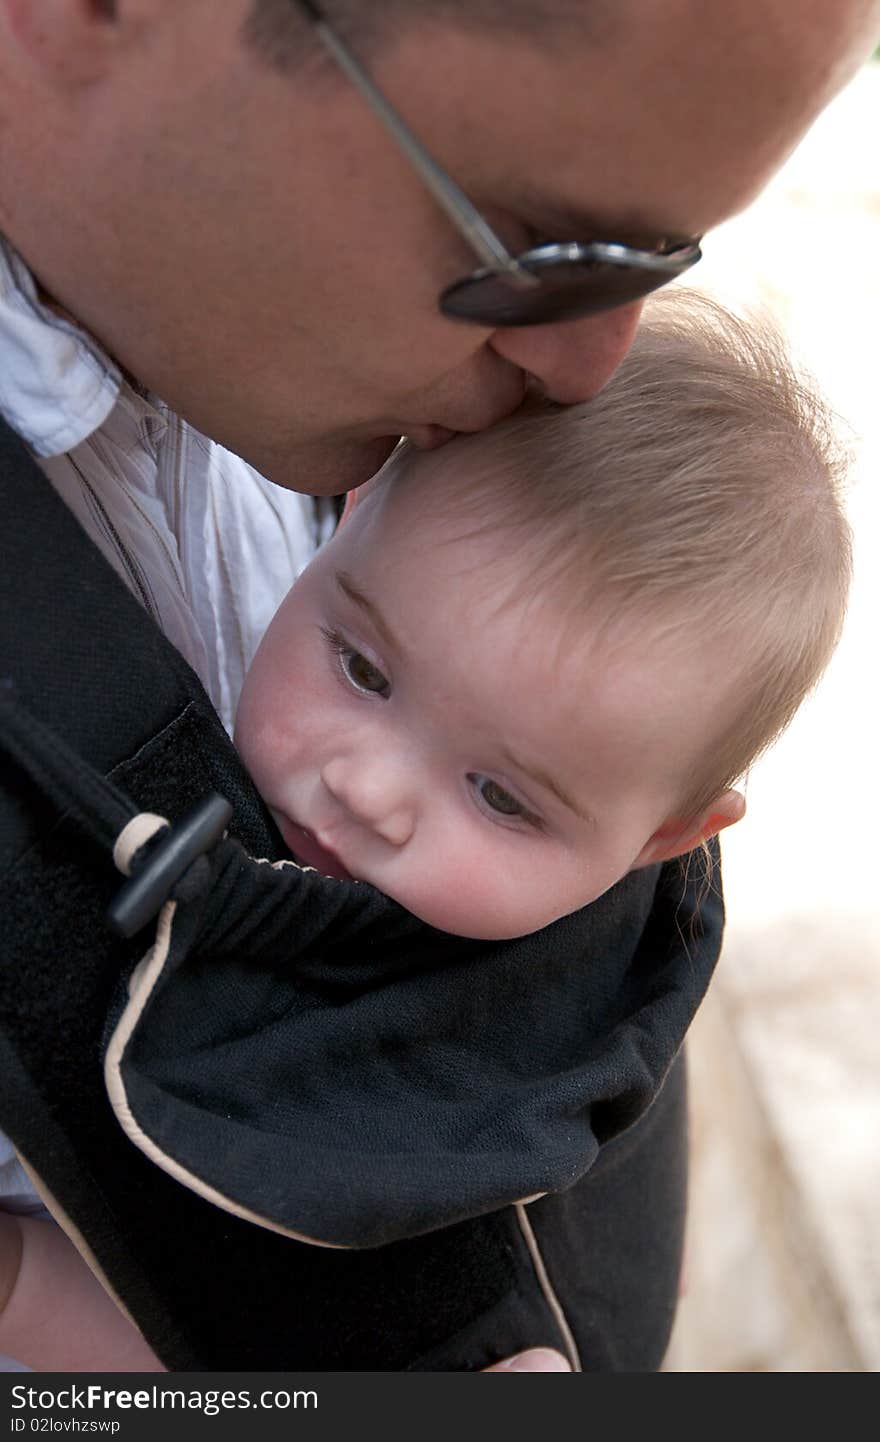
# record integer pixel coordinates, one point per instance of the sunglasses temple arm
(463, 215)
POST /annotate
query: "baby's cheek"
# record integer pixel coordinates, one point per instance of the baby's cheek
(264, 746)
(276, 717)
(475, 894)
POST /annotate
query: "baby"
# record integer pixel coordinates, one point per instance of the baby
(529, 662)
(542, 656)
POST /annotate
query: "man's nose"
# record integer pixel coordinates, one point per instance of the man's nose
(374, 794)
(574, 358)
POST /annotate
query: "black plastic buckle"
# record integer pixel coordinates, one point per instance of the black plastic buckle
(145, 893)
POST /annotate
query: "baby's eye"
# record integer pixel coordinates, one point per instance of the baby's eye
(363, 674)
(496, 798)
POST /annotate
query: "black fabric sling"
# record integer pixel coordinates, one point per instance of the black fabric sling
(311, 1058)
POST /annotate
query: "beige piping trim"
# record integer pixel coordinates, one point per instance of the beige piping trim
(546, 1286)
(76, 1237)
(135, 834)
(278, 865)
(141, 985)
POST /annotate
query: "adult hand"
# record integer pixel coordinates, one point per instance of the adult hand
(538, 1359)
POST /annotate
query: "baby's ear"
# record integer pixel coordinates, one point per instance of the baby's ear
(350, 500)
(675, 836)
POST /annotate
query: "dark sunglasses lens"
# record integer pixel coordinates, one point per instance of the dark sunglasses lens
(566, 292)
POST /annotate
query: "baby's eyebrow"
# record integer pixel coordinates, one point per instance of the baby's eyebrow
(358, 598)
(544, 779)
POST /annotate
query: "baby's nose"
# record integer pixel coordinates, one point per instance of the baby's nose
(375, 794)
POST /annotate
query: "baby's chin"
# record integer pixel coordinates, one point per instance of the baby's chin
(479, 929)
(444, 908)
(476, 924)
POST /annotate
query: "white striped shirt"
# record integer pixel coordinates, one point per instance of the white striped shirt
(206, 544)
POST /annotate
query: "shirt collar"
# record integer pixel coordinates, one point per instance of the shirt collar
(57, 385)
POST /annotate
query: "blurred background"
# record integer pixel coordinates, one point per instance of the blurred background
(783, 1264)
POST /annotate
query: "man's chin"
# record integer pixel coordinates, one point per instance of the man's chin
(328, 468)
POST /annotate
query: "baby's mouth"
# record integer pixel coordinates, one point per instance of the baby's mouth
(309, 852)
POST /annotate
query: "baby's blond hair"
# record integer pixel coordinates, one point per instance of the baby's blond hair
(699, 493)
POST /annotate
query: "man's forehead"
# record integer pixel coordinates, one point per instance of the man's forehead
(663, 128)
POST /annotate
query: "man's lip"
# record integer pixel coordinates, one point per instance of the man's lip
(308, 850)
(428, 437)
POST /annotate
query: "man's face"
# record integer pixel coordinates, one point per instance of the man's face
(253, 247)
(413, 721)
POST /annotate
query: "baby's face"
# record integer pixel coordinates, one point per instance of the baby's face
(412, 722)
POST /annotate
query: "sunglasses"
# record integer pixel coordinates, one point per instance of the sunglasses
(550, 282)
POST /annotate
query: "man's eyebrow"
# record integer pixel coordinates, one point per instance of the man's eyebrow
(348, 588)
(548, 782)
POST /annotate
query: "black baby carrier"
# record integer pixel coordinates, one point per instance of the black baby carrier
(291, 1126)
